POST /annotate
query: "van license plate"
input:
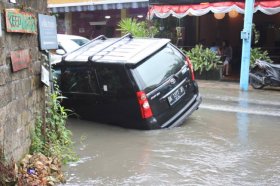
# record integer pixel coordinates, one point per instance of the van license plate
(175, 96)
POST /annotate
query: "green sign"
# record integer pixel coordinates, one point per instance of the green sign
(21, 22)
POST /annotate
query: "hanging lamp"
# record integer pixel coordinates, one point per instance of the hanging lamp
(233, 14)
(219, 15)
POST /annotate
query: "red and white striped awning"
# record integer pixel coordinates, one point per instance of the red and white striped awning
(179, 11)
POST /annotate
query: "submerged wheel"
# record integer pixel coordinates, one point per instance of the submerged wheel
(255, 83)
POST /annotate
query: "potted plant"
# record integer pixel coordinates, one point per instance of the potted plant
(205, 62)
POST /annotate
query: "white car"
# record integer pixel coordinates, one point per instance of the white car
(77, 39)
(66, 44)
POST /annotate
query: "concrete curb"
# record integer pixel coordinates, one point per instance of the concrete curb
(218, 84)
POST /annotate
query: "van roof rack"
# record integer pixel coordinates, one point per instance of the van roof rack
(126, 50)
(129, 35)
(101, 37)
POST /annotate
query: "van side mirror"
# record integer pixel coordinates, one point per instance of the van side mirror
(60, 52)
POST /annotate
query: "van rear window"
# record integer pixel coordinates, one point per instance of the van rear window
(160, 66)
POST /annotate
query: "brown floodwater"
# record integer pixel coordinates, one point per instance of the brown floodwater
(213, 147)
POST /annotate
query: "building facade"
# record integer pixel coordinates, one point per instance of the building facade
(211, 21)
(21, 92)
(93, 18)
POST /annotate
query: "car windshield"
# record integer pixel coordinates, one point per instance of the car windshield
(157, 68)
(80, 42)
(68, 45)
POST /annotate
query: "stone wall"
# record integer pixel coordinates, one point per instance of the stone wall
(21, 93)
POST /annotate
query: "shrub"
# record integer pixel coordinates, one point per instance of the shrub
(53, 138)
(203, 59)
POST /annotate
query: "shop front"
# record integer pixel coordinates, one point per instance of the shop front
(91, 18)
(215, 21)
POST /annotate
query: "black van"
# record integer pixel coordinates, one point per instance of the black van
(143, 83)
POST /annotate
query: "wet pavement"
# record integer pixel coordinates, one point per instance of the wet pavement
(226, 96)
(233, 139)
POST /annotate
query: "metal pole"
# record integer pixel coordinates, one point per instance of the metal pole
(246, 35)
(50, 71)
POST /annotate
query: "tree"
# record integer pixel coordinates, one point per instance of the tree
(137, 28)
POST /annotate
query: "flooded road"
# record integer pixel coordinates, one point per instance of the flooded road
(213, 147)
(233, 139)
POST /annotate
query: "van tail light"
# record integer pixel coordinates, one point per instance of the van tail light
(145, 108)
(189, 63)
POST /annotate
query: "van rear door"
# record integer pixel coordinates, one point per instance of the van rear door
(166, 80)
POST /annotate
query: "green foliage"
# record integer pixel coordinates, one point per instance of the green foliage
(37, 137)
(203, 59)
(53, 139)
(137, 28)
(256, 34)
(257, 53)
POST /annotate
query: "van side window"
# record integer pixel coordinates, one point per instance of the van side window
(79, 80)
(112, 81)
